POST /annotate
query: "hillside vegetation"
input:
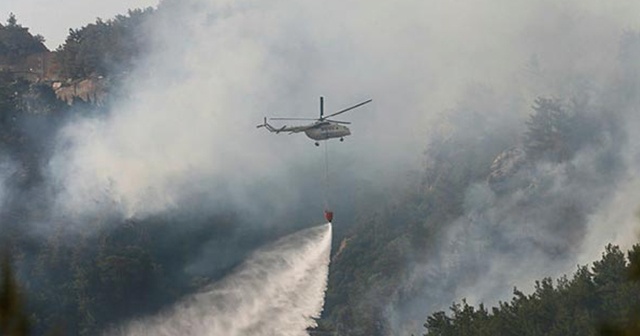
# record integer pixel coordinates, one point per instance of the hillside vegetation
(480, 178)
(603, 299)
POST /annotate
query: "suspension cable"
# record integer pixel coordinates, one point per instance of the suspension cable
(326, 176)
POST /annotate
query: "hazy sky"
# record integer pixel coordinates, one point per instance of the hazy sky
(52, 19)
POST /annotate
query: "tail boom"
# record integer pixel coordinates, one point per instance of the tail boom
(270, 128)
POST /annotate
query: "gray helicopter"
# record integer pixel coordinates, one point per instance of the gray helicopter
(321, 129)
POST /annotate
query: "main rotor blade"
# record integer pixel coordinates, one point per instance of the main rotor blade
(348, 109)
(292, 119)
(339, 122)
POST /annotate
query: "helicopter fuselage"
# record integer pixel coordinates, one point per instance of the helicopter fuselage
(327, 130)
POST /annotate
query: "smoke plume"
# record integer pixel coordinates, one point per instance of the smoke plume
(184, 137)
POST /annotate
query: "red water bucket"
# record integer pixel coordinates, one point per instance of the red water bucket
(328, 215)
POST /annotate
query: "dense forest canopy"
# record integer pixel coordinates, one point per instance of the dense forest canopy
(603, 299)
(105, 47)
(17, 42)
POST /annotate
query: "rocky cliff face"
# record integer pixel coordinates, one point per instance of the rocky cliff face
(91, 90)
(504, 166)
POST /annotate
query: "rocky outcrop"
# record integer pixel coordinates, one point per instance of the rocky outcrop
(504, 167)
(343, 246)
(91, 90)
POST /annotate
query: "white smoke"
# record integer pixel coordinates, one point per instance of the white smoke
(220, 66)
(279, 290)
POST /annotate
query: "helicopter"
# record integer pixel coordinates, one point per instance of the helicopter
(321, 129)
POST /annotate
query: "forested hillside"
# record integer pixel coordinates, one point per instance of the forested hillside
(603, 299)
(105, 48)
(16, 42)
(79, 288)
(528, 190)
(493, 193)
(83, 276)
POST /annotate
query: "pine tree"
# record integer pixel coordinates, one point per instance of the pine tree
(13, 321)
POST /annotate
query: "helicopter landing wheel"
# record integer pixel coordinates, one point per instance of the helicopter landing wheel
(317, 144)
(341, 139)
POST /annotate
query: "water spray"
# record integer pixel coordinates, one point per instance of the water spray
(278, 290)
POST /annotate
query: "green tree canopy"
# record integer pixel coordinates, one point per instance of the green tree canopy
(16, 41)
(105, 47)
